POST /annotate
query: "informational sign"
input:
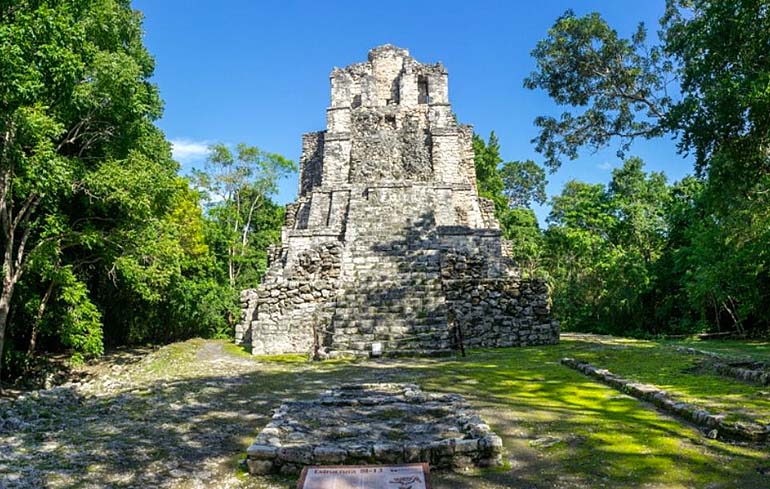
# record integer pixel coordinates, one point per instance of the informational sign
(408, 476)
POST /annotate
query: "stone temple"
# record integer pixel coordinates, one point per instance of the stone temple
(389, 249)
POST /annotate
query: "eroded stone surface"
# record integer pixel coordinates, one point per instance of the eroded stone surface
(374, 423)
(389, 241)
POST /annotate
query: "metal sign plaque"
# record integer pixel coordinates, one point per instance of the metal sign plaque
(408, 476)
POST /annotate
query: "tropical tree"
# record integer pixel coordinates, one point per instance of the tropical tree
(75, 98)
(236, 189)
(523, 183)
(602, 248)
(512, 186)
(616, 87)
(617, 90)
(487, 161)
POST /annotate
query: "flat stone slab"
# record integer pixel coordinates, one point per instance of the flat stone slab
(374, 424)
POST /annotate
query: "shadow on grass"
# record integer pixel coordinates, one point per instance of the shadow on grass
(681, 375)
(602, 436)
(165, 431)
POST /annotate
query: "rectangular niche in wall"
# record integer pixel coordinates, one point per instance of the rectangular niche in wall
(422, 90)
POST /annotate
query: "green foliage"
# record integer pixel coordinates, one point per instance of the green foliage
(708, 239)
(617, 85)
(512, 186)
(487, 160)
(577, 250)
(602, 247)
(75, 105)
(523, 183)
(81, 327)
(520, 228)
(721, 50)
(103, 242)
(724, 119)
(236, 189)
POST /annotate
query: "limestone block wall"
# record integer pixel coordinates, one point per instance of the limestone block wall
(499, 313)
(283, 314)
(297, 215)
(248, 303)
(287, 316)
(489, 311)
(467, 164)
(336, 158)
(390, 144)
(488, 213)
(311, 162)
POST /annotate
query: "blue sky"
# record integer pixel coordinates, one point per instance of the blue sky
(258, 71)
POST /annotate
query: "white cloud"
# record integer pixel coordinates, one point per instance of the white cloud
(604, 166)
(186, 151)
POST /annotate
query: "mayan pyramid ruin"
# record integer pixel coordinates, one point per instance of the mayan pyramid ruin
(388, 248)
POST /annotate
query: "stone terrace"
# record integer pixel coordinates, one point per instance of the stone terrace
(374, 423)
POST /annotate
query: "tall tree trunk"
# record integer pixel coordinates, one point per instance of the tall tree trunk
(39, 318)
(14, 256)
(245, 233)
(5, 306)
(231, 265)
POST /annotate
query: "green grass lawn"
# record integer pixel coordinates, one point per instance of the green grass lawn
(197, 405)
(597, 436)
(607, 438)
(678, 373)
(755, 349)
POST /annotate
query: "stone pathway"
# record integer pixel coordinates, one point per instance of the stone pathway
(181, 416)
(151, 421)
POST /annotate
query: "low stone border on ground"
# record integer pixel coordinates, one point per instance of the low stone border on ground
(741, 369)
(755, 373)
(716, 424)
(694, 351)
(375, 424)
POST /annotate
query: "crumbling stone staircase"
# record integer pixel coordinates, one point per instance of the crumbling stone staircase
(421, 267)
(390, 288)
(397, 302)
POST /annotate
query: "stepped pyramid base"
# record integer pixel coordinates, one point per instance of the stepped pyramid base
(401, 286)
(389, 245)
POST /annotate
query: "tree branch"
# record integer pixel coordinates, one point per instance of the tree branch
(5, 220)
(27, 208)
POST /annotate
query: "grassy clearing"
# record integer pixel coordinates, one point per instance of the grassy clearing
(600, 438)
(185, 414)
(679, 374)
(604, 438)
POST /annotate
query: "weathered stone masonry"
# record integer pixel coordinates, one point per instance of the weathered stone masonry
(388, 241)
(375, 423)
